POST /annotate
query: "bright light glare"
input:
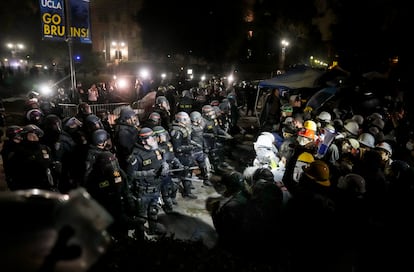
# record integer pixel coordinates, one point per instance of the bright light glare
(45, 89)
(14, 64)
(284, 43)
(230, 78)
(144, 73)
(122, 83)
(163, 75)
(203, 77)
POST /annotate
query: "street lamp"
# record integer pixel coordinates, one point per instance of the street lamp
(284, 44)
(15, 48)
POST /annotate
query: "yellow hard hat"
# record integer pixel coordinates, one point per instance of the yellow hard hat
(308, 109)
(306, 157)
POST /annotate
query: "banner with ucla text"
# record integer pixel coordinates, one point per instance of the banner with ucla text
(53, 18)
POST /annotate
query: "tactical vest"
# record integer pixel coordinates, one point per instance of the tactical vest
(105, 177)
(150, 159)
(197, 135)
(181, 129)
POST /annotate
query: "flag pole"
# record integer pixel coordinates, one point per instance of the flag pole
(69, 41)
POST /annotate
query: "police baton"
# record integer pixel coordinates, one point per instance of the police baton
(183, 169)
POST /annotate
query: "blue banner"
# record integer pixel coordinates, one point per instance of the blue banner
(80, 23)
(54, 21)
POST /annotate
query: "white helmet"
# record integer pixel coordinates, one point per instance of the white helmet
(264, 141)
(324, 116)
(367, 139)
(268, 134)
(354, 143)
(385, 146)
(358, 118)
(352, 127)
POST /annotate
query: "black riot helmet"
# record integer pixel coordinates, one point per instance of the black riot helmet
(161, 132)
(31, 128)
(52, 123)
(92, 123)
(13, 131)
(99, 136)
(145, 133)
(155, 117)
(195, 116)
(126, 113)
(34, 116)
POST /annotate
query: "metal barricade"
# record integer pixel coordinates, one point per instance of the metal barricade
(69, 110)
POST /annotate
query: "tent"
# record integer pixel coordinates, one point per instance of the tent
(298, 78)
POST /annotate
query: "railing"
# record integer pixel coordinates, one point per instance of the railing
(113, 109)
(71, 109)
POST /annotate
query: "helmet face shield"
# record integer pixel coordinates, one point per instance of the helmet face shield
(151, 142)
(163, 138)
(133, 120)
(163, 103)
(183, 118)
(212, 115)
(195, 117)
(161, 134)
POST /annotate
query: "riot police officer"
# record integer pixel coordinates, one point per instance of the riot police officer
(126, 134)
(62, 148)
(10, 145)
(181, 141)
(186, 102)
(169, 187)
(154, 119)
(212, 131)
(30, 166)
(107, 183)
(197, 139)
(162, 106)
(146, 167)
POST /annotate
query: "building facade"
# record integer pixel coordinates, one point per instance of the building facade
(115, 32)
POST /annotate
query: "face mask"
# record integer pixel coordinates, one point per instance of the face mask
(303, 141)
(409, 145)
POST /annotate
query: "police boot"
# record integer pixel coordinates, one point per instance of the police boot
(139, 231)
(204, 176)
(190, 175)
(168, 205)
(186, 193)
(173, 193)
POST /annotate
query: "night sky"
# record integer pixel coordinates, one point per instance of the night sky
(215, 29)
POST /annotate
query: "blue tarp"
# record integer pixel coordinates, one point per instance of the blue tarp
(321, 97)
(294, 79)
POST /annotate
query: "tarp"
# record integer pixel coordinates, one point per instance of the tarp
(321, 97)
(294, 79)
